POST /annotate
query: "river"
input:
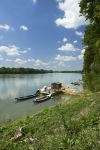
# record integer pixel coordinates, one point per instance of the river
(12, 86)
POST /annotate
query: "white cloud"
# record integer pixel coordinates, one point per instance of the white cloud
(1, 58)
(75, 41)
(39, 63)
(59, 0)
(10, 50)
(23, 52)
(61, 64)
(29, 49)
(9, 60)
(65, 58)
(79, 33)
(67, 47)
(80, 57)
(24, 28)
(31, 62)
(57, 63)
(13, 50)
(65, 39)
(20, 61)
(71, 18)
(5, 27)
(34, 1)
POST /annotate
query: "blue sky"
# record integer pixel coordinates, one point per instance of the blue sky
(41, 34)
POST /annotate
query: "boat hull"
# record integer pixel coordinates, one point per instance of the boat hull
(39, 100)
(25, 97)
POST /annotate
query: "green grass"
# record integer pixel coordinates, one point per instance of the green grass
(74, 125)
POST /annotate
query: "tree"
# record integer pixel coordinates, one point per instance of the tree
(91, 10)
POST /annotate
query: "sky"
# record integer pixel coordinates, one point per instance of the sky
(42, 34)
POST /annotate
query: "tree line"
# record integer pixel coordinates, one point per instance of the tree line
(7, 70)
(91, 10)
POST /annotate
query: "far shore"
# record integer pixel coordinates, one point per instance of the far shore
(7, 70)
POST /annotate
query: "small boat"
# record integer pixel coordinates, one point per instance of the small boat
(75, 83)
(42, 98)
(27, 97)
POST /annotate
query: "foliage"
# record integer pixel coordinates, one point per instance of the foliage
(91, 10)
(91, 81)
(72, 125)
(7, 70)
(4, 70)
(75, 71)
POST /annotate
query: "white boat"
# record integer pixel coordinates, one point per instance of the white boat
(42, 98)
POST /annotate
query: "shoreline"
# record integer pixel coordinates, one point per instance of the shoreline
(49, 107)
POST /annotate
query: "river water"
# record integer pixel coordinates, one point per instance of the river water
(12, 86)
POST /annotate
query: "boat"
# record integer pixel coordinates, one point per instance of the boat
(44, 93)
(76, 83)
(27, 97)
(42, 98)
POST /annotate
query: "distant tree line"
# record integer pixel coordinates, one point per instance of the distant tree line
(7, 70)
(75, 71)
(91, 10)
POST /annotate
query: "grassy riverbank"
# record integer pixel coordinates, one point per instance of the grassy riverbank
(74, 125)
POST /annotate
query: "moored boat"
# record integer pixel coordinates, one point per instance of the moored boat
(42, 98)
(27, 97)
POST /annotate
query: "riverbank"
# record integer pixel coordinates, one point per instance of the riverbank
(72, 125)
